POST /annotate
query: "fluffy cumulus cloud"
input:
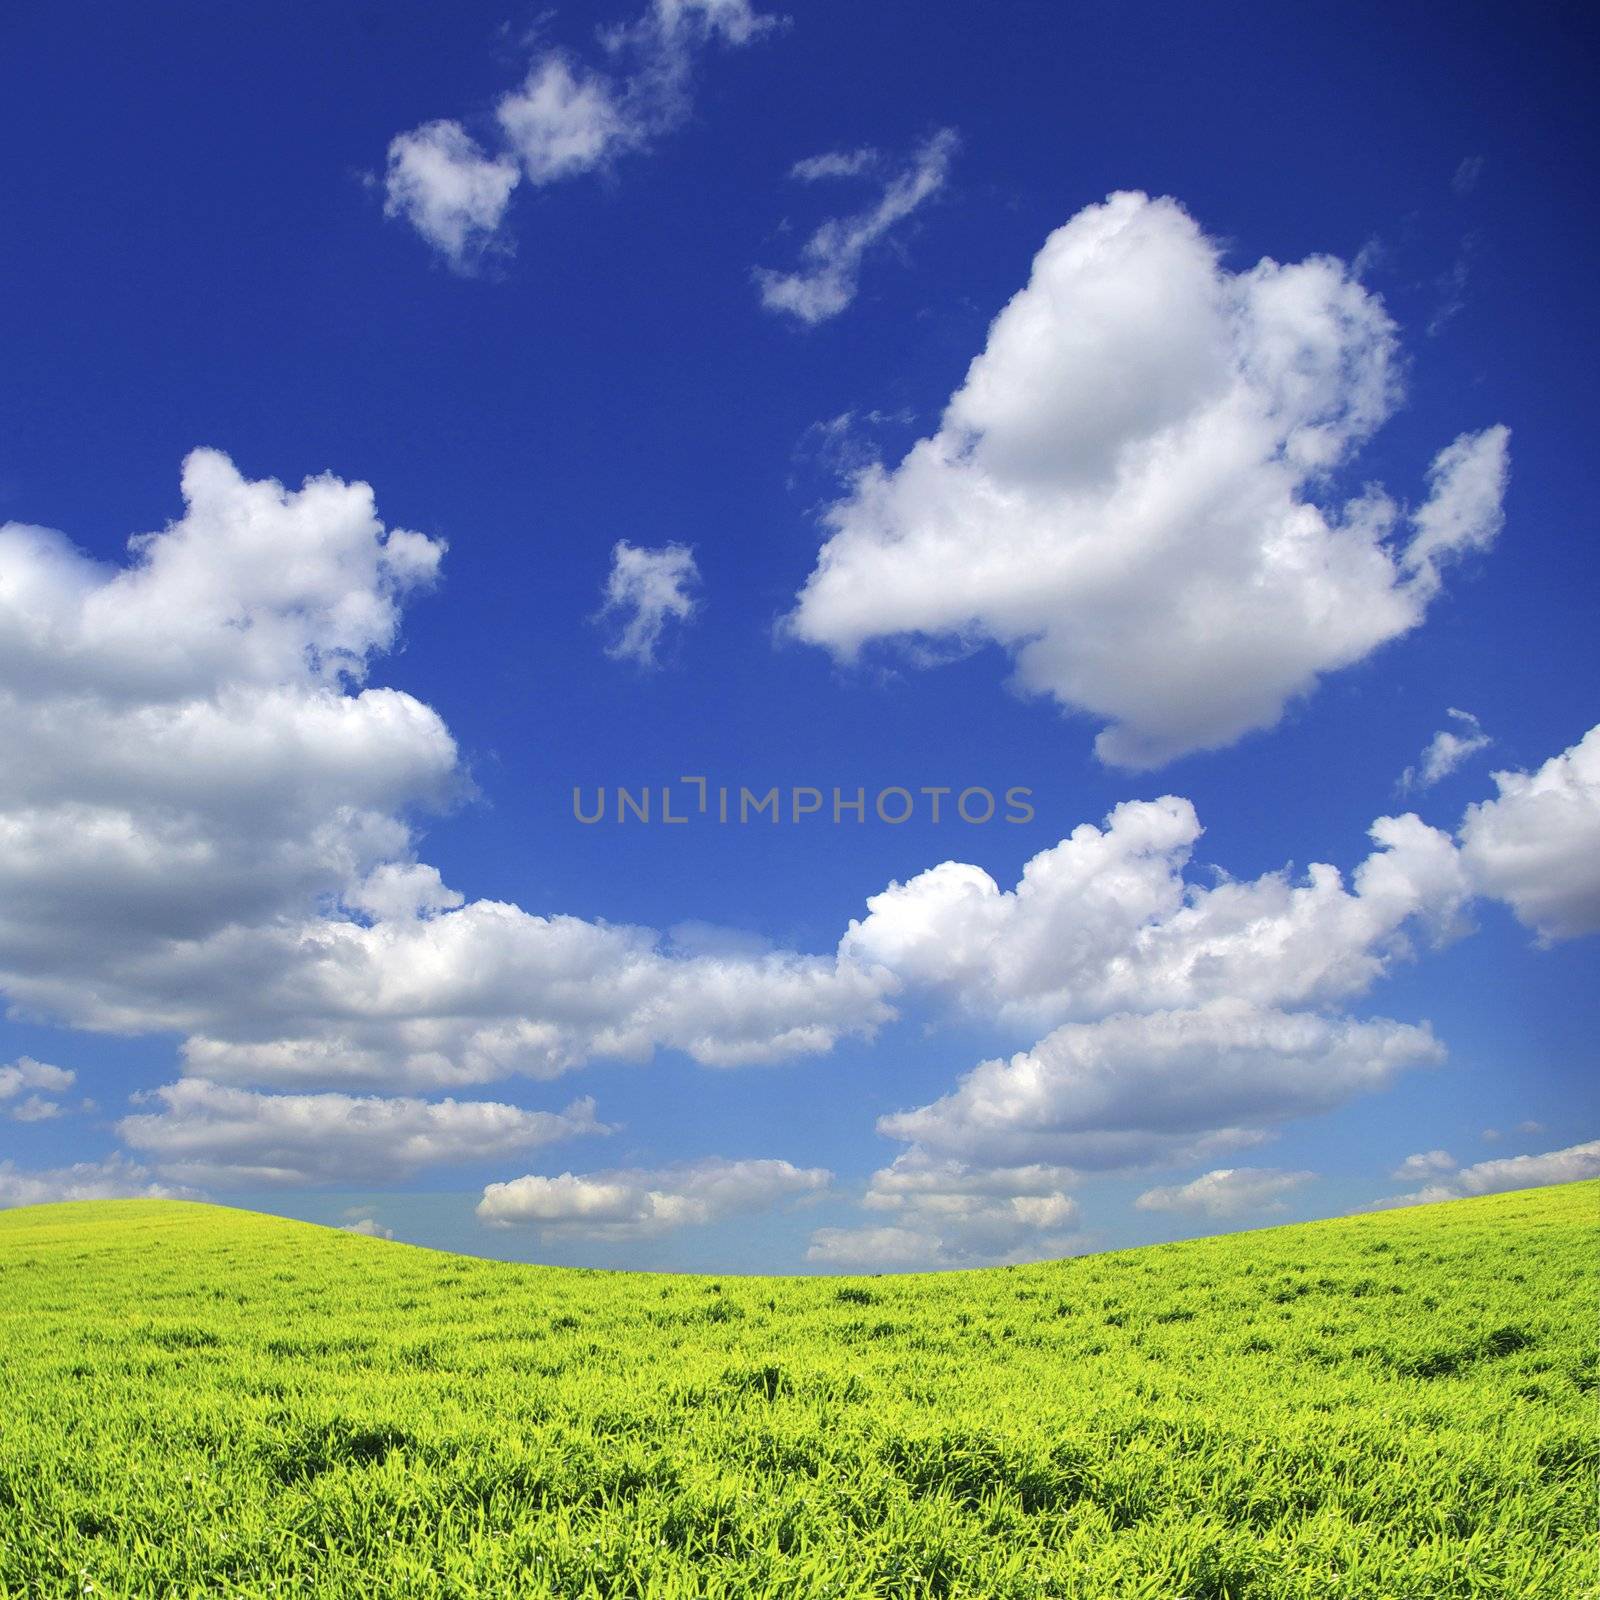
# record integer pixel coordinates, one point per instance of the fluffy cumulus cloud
(1425, 1164)
(1537, 845)
(441, 182)
(1187, 1019)
(1135, 491)
(830, 270)
(490, 990)
(646, 591)
(116, 1178)
(26, 1086)
(565, 119)
(1161, 1088)
(1104, 921)
(1577, 1161)
(1448, 748)
(210, 1135)
(1227, 1192)
(624, 1205)
(207, 827)
(562, 121)
(194, 749)
(944, 1212)
(989, 1168)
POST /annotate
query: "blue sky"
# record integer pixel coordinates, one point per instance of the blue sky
(242, 230)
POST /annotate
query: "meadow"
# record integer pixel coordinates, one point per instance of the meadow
(1399, 1406)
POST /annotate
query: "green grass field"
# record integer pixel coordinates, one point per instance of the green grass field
(205, 1401)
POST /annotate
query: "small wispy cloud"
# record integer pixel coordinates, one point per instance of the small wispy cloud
(1451, 287)
(646, 591)
(1446, 751)
(567, 118)
(842, 446)
(829, 274)
(835, 164)
(1465, 178)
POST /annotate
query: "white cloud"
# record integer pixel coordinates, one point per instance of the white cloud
(565, 119)
(1170, 1045)
(1537, 846)
(988, 1169)
(875, 1249)
(252, 585)
(368, 1227)
(948, 1213)
(1160, 1089)
(835, 164)
(207, 1134)
(1227, 1192)
(113, 1179)
(841, 445)
(27, 1074)
(478, 994)
(1576, 1162)
(617, 1206)
(668, 31)
(35, 1108)
(206, 830)
(1426, 1164)
(1134, 491)
(193, 752)
(205, 827)
(830, 271)
(1531, 1172)
(646, 590)
(1104, 922)
(441, 182)
(1466, 488)
(1446, 751)
(396, 891)
(1452, 288)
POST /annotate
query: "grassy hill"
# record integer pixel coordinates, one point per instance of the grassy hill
(195, 1400)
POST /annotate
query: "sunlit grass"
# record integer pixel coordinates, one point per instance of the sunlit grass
(205, 1401)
